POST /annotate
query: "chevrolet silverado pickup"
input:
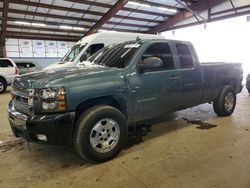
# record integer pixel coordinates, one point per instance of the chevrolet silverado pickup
(91, 106)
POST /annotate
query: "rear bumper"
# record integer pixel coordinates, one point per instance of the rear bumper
(48, 129)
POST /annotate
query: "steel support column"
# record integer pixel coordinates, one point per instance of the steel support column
(4, 28)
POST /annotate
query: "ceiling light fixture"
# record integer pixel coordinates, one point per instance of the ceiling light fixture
(78, 28)
(103, 30)
(145, 6)
(65, 27)
(134, 3)
(22, 23)
(38, 24)
(138, 4)
(167, 9)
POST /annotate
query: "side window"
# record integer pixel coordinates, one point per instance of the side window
(30, 65)
(91, 50)
(185, 55)
(162, 51)
(26, 65)
(21, 65)
(5, 63)
(96, 47)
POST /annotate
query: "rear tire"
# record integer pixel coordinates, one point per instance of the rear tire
(3, 85)
(224, 104)
(100, 133)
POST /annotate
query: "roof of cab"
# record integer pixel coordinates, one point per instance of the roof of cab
(169, 40)
(112, 34)
(157, 40)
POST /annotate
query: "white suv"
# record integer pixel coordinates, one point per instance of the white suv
(8, 70)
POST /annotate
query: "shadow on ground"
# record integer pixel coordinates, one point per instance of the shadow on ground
(65, 156)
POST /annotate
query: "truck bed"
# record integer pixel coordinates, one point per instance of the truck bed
(216, 72)
(218, 63)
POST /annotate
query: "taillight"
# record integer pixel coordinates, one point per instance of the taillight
(17, 71)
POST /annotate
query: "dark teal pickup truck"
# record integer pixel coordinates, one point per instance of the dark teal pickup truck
(91, 106)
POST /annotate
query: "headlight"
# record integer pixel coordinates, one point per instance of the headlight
(49, 93)
(47, 100)
(53, 99)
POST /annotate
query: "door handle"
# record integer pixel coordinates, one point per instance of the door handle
(174, 77)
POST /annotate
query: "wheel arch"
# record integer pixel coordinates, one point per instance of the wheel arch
(2, 77)
(230, 81)
(114, 101)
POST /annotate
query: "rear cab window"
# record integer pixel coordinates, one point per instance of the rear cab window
(4, 63)
(185, 55)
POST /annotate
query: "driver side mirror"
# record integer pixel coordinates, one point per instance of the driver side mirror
(150, 63)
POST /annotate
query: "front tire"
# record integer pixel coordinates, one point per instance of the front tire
(3, 85)
(100, 133)
(224, 104)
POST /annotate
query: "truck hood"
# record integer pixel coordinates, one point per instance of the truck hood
(59, 65)
(60, 77)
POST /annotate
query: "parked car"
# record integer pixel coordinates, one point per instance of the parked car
(89, 45)
(93, 105)
(248, 83)
(8, 70)
(27, 67)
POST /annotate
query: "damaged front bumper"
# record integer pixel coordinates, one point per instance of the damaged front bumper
(49, 129)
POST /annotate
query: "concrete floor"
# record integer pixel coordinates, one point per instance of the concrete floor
(176, 153)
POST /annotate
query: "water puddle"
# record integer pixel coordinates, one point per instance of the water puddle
(202, 125)
(136, 133)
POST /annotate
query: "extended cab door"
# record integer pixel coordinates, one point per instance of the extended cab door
(155, 92)
(191, 74)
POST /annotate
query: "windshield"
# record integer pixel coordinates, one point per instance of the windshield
(73, 53)
(115, 55)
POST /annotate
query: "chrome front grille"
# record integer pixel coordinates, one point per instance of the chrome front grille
(20, 100)
(20, 96)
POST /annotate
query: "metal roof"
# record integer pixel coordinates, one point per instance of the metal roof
(72, 19)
